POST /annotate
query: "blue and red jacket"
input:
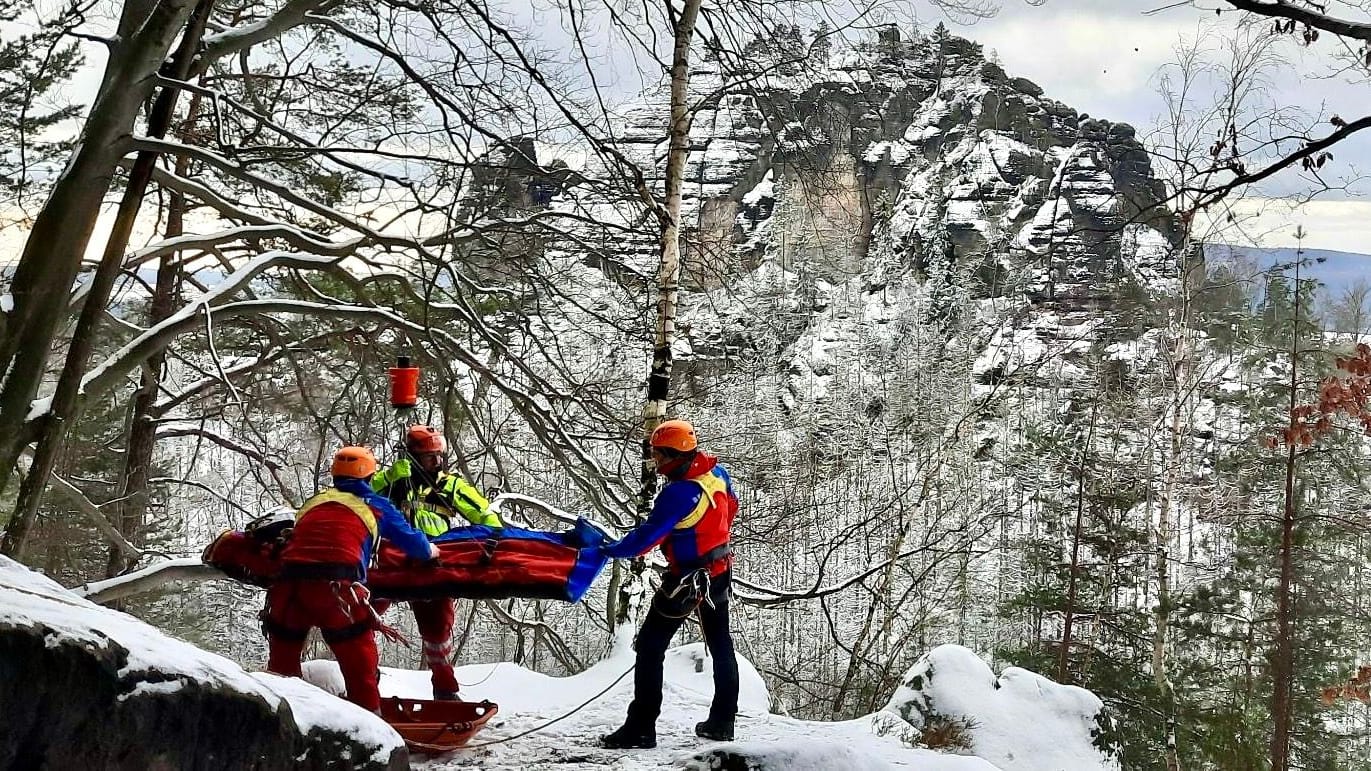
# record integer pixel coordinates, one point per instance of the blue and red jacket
(691, 519)
(337, 530)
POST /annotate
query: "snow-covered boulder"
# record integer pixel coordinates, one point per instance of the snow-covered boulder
(1020, 721)
(82, 686)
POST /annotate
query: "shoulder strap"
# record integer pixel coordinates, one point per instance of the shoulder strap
(710, 484)
(353, 502)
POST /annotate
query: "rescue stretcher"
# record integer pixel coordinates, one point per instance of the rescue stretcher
(474, 562)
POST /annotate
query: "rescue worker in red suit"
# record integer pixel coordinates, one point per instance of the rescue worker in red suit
(324, 566)
(691, 519)
(433, 501)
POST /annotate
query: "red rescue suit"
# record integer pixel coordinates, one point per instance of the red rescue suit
(320, 585)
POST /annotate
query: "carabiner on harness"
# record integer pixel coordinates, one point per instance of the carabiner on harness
(692, 590)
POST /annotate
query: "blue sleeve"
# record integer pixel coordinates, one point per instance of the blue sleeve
(675, 502)
(389, 521)
(728, 480)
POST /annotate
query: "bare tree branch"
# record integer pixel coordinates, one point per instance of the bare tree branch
(1287, 10)
(148, 579)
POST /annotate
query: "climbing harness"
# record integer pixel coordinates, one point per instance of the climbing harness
(693, 590)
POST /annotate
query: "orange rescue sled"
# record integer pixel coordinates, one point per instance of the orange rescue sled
(435, 727)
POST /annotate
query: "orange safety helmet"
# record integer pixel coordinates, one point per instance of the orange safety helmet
(423, 439)
(354, 462)
(675, 435)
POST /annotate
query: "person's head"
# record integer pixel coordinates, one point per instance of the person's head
(673, 447)
(353, 463)
(427, 447)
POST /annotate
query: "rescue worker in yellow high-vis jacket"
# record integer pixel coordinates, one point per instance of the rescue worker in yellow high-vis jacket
(434, 501)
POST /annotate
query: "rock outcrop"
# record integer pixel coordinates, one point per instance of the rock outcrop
(84, 687)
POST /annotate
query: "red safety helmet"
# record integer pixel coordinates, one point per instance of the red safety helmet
(425, 439)
(675, 435)
(354, 462)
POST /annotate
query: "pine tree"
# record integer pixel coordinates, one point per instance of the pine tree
(31, 67)
(1231, 622)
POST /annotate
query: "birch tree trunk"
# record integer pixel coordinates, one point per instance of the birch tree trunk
(669, 272)
(1183, 369)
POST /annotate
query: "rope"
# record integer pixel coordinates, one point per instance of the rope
(489, 674)
(559, 719)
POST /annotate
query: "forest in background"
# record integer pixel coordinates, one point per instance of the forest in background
(966, 398)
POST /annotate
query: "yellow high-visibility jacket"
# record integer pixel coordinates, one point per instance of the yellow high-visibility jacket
(433, 508)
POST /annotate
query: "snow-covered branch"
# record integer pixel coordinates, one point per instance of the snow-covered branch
(245, 36)
(206, 383)
(299, 238)
(502, 503)
(95, 515)
(148, 579)
(102, 378)
(285, 192)
(173, 430)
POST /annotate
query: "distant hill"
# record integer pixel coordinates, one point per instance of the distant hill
(1336, 270)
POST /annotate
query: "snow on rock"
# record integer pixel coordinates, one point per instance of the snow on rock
(1019, 721)
(81, 684)
(318, 710)
(766, 189)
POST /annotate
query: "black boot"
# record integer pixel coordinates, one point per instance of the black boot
(631, 736)
(442, 695)
(715, 730)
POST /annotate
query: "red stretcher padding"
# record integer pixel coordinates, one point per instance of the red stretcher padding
(473, 563)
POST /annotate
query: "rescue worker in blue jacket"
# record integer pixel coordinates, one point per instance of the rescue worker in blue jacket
(691, 519)
(324, 565)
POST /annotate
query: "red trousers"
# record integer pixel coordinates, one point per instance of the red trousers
(435, 619)
(294, 606)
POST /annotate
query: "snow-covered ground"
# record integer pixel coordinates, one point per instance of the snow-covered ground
(1016, 722)
(159, 663)
(528, 699)
(1022, 721)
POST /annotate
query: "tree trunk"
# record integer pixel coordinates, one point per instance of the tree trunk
(669, 273)
(64, 407)
(142, 441)
(1282, 655)
(61, 232)
(1161, 614)
(1283, 647)
(1063, 653)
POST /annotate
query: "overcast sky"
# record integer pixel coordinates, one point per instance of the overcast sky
(1101, 57)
